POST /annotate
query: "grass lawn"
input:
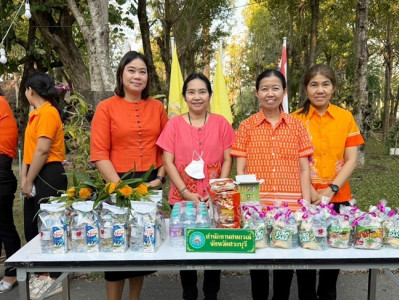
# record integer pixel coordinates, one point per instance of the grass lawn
(377, 179)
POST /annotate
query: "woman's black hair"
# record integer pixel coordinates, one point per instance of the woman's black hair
(126, 59)
(197, 76)
(1, 92)
(312, 72)
(270, 73)
(44, 86)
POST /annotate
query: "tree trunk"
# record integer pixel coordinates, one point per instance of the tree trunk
(360, 94)
(145, 37)
(388, 60)
(59, 36)
(96, 36)
(315, 8)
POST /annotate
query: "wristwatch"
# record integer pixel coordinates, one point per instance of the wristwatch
(162, 179)
(334, 188)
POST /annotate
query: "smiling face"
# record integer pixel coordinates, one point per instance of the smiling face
(197, 96)
(319, 91)
(270, 93)
(135, 77)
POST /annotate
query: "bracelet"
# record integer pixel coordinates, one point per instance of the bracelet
(162, 179)
(183, 191)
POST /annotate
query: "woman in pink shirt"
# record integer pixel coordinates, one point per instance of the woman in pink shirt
(195, 136)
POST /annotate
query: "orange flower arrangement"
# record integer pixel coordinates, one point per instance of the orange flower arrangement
(71, 192)
(110, 187)
(126, 190)
(85, 193)
(142, 189)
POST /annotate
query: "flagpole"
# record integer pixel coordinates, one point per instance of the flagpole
(221, 49)
(172, 44)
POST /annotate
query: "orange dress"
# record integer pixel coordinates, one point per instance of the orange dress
(126, 132)
(273, 155)
(330, 134)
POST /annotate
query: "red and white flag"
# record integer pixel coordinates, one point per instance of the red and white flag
(283, 70)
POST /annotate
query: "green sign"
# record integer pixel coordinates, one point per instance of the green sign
(220, 240)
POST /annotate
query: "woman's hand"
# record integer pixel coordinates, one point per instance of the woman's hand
(326, 192)
(26, 187)
(154, 183)
(194, 197)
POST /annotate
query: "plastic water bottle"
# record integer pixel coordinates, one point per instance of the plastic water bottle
(295, 235)
(176, 233)
(46, 241)
(203, 220)
(189, 218)
(106, 237)
(320, 232)
(136, 236)
(78, 237)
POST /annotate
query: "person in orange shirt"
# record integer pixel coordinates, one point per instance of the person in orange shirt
(335, 138)
(275, 147)
(124, 131)
(8, 185)
(42, 172)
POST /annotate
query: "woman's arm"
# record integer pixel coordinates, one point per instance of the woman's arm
(107, 170)
(39, 159)
(157, 182)
(350, 158)
(241, 165)
(169, 164)
(227, 163)
(304, 177)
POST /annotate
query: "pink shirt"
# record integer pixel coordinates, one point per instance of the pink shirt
(181, 139)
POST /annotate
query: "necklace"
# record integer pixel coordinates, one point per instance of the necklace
(189, 118)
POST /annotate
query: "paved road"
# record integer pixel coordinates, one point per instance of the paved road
(234, 286)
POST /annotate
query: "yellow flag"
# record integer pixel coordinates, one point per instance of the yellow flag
(220, 101)
(177, 105)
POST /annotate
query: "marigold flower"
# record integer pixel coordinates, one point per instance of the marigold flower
(126, 190)
(85, 193)
(110, 187)
(71, 192)
(142, 189)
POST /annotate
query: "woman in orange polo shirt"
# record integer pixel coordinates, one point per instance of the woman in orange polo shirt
(335, 138)
(42, 173)
(8, 185)
(275, 147)
(124, 131)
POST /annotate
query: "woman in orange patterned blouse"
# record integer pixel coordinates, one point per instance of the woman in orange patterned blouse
(275, 146)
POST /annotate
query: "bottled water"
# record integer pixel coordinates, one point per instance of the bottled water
(189, 218)
(106, 242)
(320, 231)
(203, 220)
(78, 238)
(176, 235)
(294, 227)
(46, 241)
(136, 235)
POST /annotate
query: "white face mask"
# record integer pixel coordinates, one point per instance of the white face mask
(195, 169)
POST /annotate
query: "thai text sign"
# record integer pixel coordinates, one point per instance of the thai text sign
(220, 240)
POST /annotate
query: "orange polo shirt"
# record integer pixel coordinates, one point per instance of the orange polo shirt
(8, 130)
(273, 155)
(126, 132)
(330, 134)
(44, 122)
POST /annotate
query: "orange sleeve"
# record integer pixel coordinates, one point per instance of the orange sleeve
(100, 144)
(305, 147)
(47, 124)
(241, 141)
(164, 117)
(354, 137)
